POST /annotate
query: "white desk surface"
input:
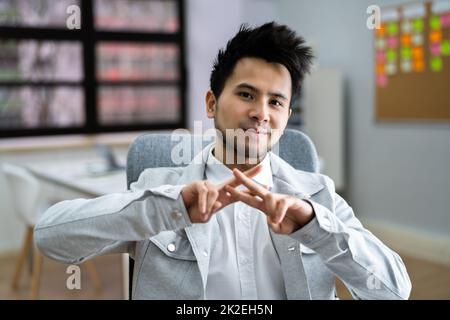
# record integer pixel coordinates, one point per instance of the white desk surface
(74, 175)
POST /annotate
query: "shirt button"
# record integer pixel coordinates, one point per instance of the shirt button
(292, 248)
(176, 215)
(171, 247)
(205, 253)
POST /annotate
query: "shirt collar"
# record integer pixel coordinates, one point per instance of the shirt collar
(217, 172)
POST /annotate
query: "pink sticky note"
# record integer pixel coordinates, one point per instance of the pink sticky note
(381, 56)
(382, 80)
(445, 20)
(436, 49)
(392, 42)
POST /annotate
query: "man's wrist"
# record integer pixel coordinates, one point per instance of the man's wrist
(306, 214)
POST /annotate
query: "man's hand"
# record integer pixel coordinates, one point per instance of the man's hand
(285, 214)
(202, 198)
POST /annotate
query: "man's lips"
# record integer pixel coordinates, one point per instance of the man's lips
(257, 130)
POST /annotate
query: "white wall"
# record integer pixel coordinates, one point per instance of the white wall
(397, 173)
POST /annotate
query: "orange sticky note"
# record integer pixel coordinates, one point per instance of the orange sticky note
(418, 53)
(380, 68)
(418, 65)
(381, 31)
(406, 40)
(436, 36)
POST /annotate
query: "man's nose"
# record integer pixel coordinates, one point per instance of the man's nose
(260, 112)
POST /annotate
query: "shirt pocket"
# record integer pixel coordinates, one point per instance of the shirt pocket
(168, 269)
(174, 245)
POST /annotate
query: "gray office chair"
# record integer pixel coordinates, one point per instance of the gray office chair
(154, 150)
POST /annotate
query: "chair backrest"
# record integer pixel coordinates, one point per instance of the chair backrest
(154, 150)
(25, 192)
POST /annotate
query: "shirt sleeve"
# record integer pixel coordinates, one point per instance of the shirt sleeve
(367, 266)
(75, 230)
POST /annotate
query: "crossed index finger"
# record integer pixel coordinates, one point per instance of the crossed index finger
(250, 184)
(250, 173)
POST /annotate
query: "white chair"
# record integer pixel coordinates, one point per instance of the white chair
(29, 203)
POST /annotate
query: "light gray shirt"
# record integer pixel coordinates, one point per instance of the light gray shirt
(172, 255)
(244, 263)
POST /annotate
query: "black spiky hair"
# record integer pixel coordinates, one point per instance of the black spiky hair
(272, 42)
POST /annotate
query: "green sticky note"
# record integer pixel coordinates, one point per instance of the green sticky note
(418, 25)
(392, 28)
(391, 55)
(406, 53)
(435, 22)
(445, 48)
(436, 64)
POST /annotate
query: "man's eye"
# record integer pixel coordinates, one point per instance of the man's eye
(245, 95)
(276, 103)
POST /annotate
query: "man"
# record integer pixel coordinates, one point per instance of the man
(210, 231)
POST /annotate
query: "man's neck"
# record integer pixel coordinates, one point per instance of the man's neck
(220, 153)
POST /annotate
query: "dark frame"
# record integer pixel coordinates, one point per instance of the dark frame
(89, 37)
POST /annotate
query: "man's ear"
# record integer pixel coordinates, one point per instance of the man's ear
(290, 112)
(211, 104)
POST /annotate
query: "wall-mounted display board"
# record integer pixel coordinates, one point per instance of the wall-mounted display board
(412, 62)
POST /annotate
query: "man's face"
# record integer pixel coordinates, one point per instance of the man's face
(255, 99)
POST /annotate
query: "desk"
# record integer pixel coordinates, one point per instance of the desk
(74, 176)
(71, 179)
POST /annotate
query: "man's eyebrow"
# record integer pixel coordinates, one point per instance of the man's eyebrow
(253, 88)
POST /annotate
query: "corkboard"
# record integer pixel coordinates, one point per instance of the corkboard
(415, 96)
